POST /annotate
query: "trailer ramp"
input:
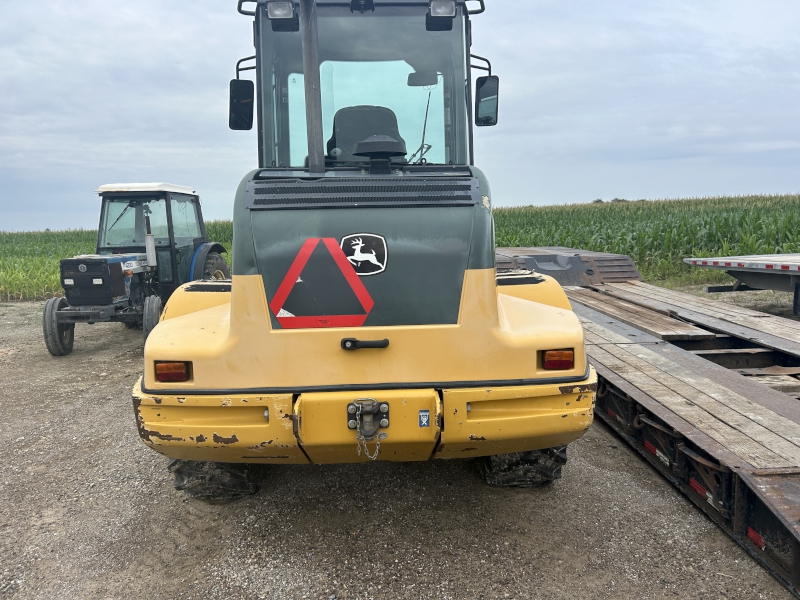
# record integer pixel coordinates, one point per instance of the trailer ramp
(729, 443)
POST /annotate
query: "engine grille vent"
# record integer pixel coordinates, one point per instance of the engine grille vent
(350, 192)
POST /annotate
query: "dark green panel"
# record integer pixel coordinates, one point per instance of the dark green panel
(428, 252)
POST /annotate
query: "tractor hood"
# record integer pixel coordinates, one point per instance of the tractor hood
(361, 250)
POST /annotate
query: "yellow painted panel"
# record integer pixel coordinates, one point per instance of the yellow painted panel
(182, 302)
(232, 346)
(547, 292)
(326, 438)
(514, 419)
(219, 428)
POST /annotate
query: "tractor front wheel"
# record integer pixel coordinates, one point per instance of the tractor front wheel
(58, 337)
(151, 314)
(215, 267)
(524, 469)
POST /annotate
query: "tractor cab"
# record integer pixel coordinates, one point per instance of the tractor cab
(176, 223)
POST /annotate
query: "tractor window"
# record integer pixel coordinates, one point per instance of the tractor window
(380, 73)
(185, 224)
(123, 223)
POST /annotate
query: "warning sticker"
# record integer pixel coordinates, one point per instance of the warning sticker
(321, 289)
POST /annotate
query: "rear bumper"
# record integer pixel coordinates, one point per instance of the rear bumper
(313, 427)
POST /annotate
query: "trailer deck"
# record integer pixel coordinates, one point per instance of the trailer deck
(757, 272)
(705, 391)
(726, 440)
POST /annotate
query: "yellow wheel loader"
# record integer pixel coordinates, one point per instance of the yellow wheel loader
(365, 319)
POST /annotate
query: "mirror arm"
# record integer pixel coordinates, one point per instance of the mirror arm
(477, 11)
(486, 60)
(240, 68)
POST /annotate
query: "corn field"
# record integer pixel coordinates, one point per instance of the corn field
(657, 234)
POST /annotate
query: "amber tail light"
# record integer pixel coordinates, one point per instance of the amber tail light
(172, 371)
(559, 360)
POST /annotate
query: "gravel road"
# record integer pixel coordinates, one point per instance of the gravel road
(87, 511)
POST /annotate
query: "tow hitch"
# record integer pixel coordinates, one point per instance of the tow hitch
(367, 416)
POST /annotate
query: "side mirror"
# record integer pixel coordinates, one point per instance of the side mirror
(241, 104)
(486, 91)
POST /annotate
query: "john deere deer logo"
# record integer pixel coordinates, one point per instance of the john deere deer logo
(367, 252)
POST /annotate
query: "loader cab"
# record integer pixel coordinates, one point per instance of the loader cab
(176, 222)
(331, 75)
(365, 185)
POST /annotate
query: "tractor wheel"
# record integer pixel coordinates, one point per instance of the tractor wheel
(151, 314)
(524, 469)
(213, 481)
(215, 267)
(58, 338)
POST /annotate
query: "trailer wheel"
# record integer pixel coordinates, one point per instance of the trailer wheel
(213, 481)
(58, 338)
(151, 314)
(215, 267)
(524, 469)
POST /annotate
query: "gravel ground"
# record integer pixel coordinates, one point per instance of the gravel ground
(87, 511)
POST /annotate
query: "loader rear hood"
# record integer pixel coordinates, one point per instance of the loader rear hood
(368, 251)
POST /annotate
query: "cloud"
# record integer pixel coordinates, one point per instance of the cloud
(598, 99)
(602, 99)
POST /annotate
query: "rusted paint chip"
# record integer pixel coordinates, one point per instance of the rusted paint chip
(201, 438)
(145, 433)
(475, 438)
(578, 389)
(225, 440)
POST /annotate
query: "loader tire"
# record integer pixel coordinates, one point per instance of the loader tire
(215, 267)
(59, 338)
(151, 314)
(213, 481)
(524, 469)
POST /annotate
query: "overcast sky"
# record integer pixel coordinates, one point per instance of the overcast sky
(599, 99)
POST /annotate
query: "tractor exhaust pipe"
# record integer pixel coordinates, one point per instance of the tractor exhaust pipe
(149, 244)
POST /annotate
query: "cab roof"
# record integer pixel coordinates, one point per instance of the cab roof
(144, 187)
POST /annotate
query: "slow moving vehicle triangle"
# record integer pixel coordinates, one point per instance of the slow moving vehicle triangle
(321, 289)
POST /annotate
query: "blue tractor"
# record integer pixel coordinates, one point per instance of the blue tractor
(151, 239)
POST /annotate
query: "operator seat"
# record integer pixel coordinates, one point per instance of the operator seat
(355, 124)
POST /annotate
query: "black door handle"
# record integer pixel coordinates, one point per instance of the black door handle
(354, 344)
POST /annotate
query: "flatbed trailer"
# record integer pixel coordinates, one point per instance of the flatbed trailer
(758, 272)
(707, 393)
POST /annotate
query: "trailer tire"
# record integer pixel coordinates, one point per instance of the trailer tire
(151, 314)
(215, 267)
(524, 469)
(213, 481)
(59, 338)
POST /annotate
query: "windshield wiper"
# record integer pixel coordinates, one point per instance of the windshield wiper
(119, 217)
(422, 147)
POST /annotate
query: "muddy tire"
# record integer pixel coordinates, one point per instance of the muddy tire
(214, 482)
(151, 314)
(215, 267)
(59, 338)
(524, 469)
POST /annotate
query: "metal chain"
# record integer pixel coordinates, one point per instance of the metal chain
(360, 439)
